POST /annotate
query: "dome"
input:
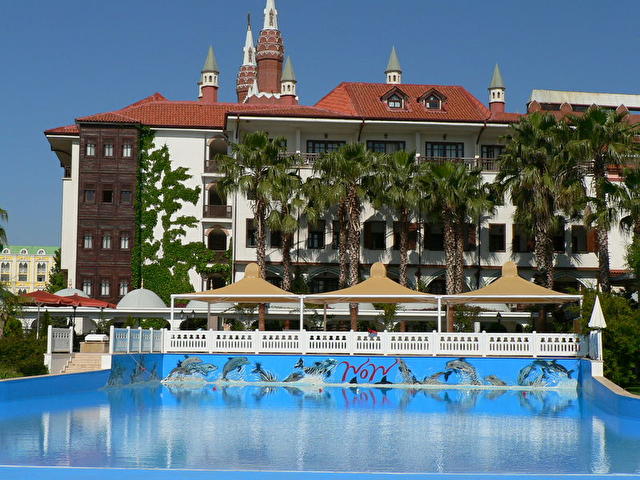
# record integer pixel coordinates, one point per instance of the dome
(68, 292)
(141, 298)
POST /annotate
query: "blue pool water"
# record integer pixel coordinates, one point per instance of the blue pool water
(320, 429)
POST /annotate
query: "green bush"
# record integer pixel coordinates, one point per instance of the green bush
(8, 372)
(13, 328)
(23, 355)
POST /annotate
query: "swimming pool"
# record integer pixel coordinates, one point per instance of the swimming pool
(318, 428)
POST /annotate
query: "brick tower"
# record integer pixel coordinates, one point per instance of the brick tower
(270, 52)
(248, 71)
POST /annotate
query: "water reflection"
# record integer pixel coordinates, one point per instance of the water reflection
(317, 428)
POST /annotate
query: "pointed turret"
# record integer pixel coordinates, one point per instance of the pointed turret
(271, 15)
(248, 71)
(497, 91)
(270, 52)
(208, 85)
(394, 70)
(288, 83)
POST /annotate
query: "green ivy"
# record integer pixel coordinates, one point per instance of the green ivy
(57, 277)
(164, 263)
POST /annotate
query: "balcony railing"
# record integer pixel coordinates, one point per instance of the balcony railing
(301, 158)
(217, 211)
(485, 164)
(211, 166)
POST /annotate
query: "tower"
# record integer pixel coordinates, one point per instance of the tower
(208, 85)
(270, 51)
(288, 84)
(248, 70)
(394, 70)
(496, 92)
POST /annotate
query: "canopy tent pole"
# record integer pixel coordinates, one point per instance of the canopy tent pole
(301, 313)
(209, 315)
(324, 318)
(439, 314)
(171, 314)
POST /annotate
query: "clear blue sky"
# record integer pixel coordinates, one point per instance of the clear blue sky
(65, 59)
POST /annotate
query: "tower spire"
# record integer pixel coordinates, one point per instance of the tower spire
(497, 91)
(248, 71)
(394, 70)
(270, 15)
(208, 85)
(288, 83)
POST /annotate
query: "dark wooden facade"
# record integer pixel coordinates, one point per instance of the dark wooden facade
(106, 216)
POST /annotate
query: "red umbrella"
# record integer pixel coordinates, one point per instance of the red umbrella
(78, 301)
(42, 298)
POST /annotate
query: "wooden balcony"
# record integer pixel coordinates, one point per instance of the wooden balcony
(217, 211)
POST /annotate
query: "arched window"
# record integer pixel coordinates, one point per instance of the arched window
(24, 252)
(433, 102)
(41, 272)
(394, 101)
(5, 268)
(217, 240)
(23, 268)
(6, 251)
(214, 197)
(325, 282)
(41, 251)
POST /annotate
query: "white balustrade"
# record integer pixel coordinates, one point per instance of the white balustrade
(456, 344)
(59, 340)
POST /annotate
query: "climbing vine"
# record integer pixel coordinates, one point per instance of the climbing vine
(163, 261)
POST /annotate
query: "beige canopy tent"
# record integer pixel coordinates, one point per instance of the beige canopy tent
(250, 289)
(511, 288)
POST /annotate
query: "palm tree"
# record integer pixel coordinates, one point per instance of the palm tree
(629, 201)
(248, 171)
(285, 195)
(4, 217)
(542, 180)
(603, 139)
(395, 184)
(456, 195)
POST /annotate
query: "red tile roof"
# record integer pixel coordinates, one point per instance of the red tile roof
(66, 130)
(364, 100)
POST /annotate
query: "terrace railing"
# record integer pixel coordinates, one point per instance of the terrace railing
(351, 343)
(59, 340)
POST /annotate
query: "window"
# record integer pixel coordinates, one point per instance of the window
(24, 252)
(275, 239)
(124, 288)
(6, 251)
(5, 269)
(107, 196)
(105, 288)
(217, 240)
(41, 272)
(434, 237)
(335, 234)
(23, 268)
(433, 102)
(315, 236)
(90, 150)
(412, 239)
(521, 240)
(323, 146)
(41, 251)
(251, 233)
(445, 149)
(106, 241)
(583, 240)
(87, 287)
(125, 197)
(87, 241)
(395, 101)
(491, 151)
(558, 238)
(323, 283)
(89, 195)
(124, 241)
(127, 150)
(497, 236)
(108, 149)
(469, 233)
(385, 146)
(375, 235)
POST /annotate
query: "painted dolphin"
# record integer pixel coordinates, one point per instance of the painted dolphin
(467, 372)
(265, 375)
(294, 377)
(407, 375)
(233, 364)
(493, 380)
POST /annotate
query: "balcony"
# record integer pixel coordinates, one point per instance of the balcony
(301, 158)
(211, 166)
(486, 164)
(217, 211)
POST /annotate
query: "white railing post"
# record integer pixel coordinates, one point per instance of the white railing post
(535, 340)
(128, 339)
(351, 342)
(385, 343)
(163, 341)
(151, 340)
(71, 339)
(112, 339)
(140, 340)
(484, 343)
(256, 341)
(50, 339)
(435, 342)
(210, 338)
(304, 341)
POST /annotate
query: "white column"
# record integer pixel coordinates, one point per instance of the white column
(71, 339)
(439, 314)
(301, 313)
(419, 150)
(50, 339)
(298, 141)
(112, 339)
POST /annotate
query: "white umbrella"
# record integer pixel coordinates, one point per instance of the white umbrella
(597, 317)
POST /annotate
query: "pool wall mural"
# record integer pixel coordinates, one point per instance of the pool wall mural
(173, 369)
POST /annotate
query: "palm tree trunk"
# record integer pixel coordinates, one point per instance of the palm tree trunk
(450, 252)
(354, 209)
(261, 221)
(404, 245)
(287, 245)
(459, 259)
(544, 256)
(343, 247)
(603, 259)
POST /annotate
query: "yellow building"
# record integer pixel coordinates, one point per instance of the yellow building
(26, 268)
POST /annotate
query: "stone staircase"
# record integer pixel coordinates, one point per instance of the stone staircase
(83, 362)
